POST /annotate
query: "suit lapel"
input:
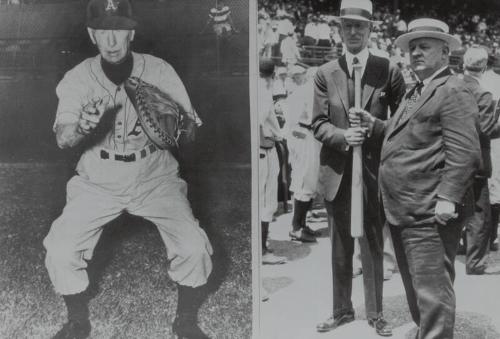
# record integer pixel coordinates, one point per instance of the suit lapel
(371, 78)
(426, 95)
(340, 81)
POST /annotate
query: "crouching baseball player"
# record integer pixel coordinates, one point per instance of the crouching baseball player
(121, 170)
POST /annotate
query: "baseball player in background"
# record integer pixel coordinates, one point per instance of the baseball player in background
(120, 170)
(304, 152)
(270, 133)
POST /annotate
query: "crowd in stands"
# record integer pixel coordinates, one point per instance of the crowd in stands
(295, 30)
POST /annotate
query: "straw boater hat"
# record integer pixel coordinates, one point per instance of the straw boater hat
(427, 28)
(357, 10)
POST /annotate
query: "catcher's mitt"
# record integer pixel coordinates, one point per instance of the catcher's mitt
(159, 115)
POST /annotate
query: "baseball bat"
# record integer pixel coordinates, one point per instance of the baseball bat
(357, 169)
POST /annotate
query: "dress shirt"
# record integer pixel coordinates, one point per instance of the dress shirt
(362, 58)
(427, 80)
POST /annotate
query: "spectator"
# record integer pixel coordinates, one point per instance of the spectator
(290, 53)
(311, 31)
(324, 33)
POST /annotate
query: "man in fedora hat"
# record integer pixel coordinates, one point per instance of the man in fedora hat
(382, 88)
(120, 170)
(429, 157)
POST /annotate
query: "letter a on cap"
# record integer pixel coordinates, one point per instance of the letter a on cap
(111, 6)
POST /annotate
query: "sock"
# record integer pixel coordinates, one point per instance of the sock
(299, 214)
(77, 305)
(265, 234)
(304, 216)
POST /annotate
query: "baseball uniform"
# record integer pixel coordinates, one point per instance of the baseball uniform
(122, 171)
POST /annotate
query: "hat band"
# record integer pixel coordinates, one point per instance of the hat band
(427, 29)
(356, 11)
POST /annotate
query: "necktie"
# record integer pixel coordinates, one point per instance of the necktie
(412, 98)
(351, 82)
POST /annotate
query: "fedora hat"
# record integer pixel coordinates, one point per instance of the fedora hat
(427, 28)
(356, 10)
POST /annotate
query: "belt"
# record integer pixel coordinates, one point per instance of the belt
(129, 157)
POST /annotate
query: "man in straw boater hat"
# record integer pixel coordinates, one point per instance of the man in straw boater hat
(382, 88)
(121, 170)
(429, 157)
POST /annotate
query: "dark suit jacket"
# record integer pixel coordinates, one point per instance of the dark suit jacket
(487, 119)
(383, 86)
(433, 152)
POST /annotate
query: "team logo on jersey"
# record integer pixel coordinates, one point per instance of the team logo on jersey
(137, 129)
(111, 6)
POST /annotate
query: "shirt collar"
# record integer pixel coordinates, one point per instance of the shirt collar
(429, 79)
(362, 58)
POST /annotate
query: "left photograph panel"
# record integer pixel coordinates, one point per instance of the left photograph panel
(125, 169)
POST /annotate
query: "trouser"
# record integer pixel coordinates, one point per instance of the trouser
(426, 256)
(268, 183)
(478, 228)
(74, 235)
(371, 245)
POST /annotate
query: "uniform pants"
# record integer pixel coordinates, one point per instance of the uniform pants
(268, 183)
(74, 235)
(371, 245)
(478, 228)
(426, 256)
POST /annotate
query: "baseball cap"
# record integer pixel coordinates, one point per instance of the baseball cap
(110, 14)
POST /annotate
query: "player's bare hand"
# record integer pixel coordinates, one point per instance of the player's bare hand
(361, 118)
(91, 115)
(355, 136)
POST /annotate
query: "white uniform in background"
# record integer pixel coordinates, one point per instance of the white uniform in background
(304, 148)
(268, 157)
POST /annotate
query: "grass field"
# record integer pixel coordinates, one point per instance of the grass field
(133, 295)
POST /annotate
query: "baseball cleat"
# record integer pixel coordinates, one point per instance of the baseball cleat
(187, 329)
(74, 330)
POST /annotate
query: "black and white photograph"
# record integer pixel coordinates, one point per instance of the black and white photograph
(125, 169)
(379, 169)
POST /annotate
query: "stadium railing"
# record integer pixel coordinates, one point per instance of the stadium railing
(317, 55)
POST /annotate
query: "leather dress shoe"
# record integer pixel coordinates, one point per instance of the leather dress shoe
(310, 231)
(301, 235)
(332, 323)
(487, 270)
(381, 326)
(74, 330)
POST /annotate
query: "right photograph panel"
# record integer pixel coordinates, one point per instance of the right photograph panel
(379, 178)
